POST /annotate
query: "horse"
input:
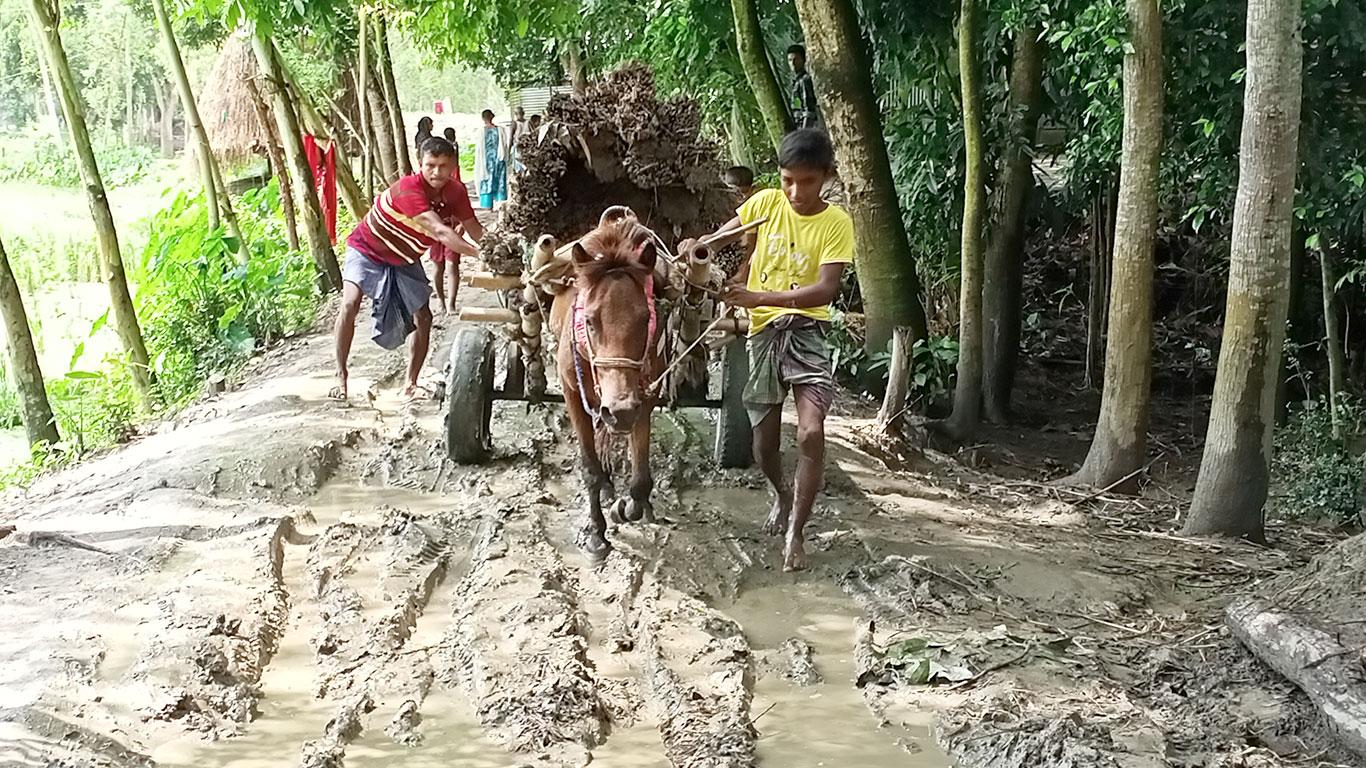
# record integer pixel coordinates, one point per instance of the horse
(607, 359)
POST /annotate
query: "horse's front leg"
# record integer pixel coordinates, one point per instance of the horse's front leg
(642, 481)
(595, 481)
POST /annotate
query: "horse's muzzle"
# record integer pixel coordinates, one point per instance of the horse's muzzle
(620, 416)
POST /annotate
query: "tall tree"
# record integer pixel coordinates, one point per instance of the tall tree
(34, 408)
(967, 391)
(351, 193)
(1120, 442)
(213, 175)
(749, 38)
(1332, 337)
(276, 152)
(45, 16)
(273, 82)
(385, 62)
(1002, 279)
(1231, 489)
(841, 66)
(381, 124)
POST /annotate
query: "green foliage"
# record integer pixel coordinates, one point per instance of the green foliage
(205, 313)
(42, 160)
(1320, 477)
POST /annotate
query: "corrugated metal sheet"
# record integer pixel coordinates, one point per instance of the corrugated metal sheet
(534, 99)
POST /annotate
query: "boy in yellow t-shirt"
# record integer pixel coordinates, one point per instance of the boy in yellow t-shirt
(799, 256)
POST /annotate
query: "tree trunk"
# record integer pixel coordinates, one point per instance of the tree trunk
(1312, 658)
(362, 79)
(898, 382)
(1332, 337)
(49, 92)
(1234, 470)
(350, 191)
(34, 408)
(749, 38)
(386, 77)
(382, 127)
(572, 61)
(1002, 278)
(1098, 291)
(324, 258)
(196, 126)
(111, 262)
(967, 391)
(166, 105)
(128, 119)
(278, 166)
(841, 66)
(1120, 442)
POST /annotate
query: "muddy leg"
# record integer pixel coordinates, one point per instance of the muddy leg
(642, 481)
(595, 480)
(811, 410)
(770, 459)
(453, 275)
(441, 285)
(346, 331)
(417, 356)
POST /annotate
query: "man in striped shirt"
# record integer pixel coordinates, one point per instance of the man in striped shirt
(384, 259)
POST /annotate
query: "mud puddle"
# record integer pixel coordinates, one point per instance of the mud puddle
(826, 723)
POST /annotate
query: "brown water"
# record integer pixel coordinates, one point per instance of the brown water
(826, 724)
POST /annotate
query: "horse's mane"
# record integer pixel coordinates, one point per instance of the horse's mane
(613, 248)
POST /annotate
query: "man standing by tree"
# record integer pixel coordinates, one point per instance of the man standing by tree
(804, 110)
(384, 259)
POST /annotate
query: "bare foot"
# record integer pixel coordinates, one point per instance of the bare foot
(414, 392)
(338, 391)
(777, 517)
(794, 557)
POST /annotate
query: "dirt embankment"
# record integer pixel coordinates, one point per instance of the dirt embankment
(274, 580)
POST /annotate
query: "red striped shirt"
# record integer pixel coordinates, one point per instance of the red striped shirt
(390, 234)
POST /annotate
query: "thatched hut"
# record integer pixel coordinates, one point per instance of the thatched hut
(228, 106)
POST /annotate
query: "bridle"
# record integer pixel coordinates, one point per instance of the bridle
(582, 338)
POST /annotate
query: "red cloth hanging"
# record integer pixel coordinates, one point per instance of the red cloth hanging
(322, 159)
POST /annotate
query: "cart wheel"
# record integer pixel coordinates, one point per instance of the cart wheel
(515, 384)
(733, 436)
(469, 396)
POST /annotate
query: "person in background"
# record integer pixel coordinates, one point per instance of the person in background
(384, 260)
(534, 124)
(490, 162)
(740, 181)
(804, 109)
(449, 135)
(424, 132)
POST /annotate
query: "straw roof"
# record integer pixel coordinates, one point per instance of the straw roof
(226, 106)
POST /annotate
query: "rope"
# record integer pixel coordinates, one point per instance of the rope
(678, 360)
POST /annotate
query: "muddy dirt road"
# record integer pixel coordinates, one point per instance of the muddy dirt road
(271, 580)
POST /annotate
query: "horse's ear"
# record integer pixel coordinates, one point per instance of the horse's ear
(581, 256)
(648, 254)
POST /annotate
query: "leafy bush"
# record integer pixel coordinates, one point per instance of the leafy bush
(933, 362)
(1320, 477)
(204, 312)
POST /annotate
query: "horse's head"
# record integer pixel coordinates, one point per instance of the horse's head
(613, 265)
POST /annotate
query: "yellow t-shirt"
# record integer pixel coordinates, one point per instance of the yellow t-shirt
(790, 249)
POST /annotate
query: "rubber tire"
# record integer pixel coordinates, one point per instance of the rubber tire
(469, 396)
(734, 437)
